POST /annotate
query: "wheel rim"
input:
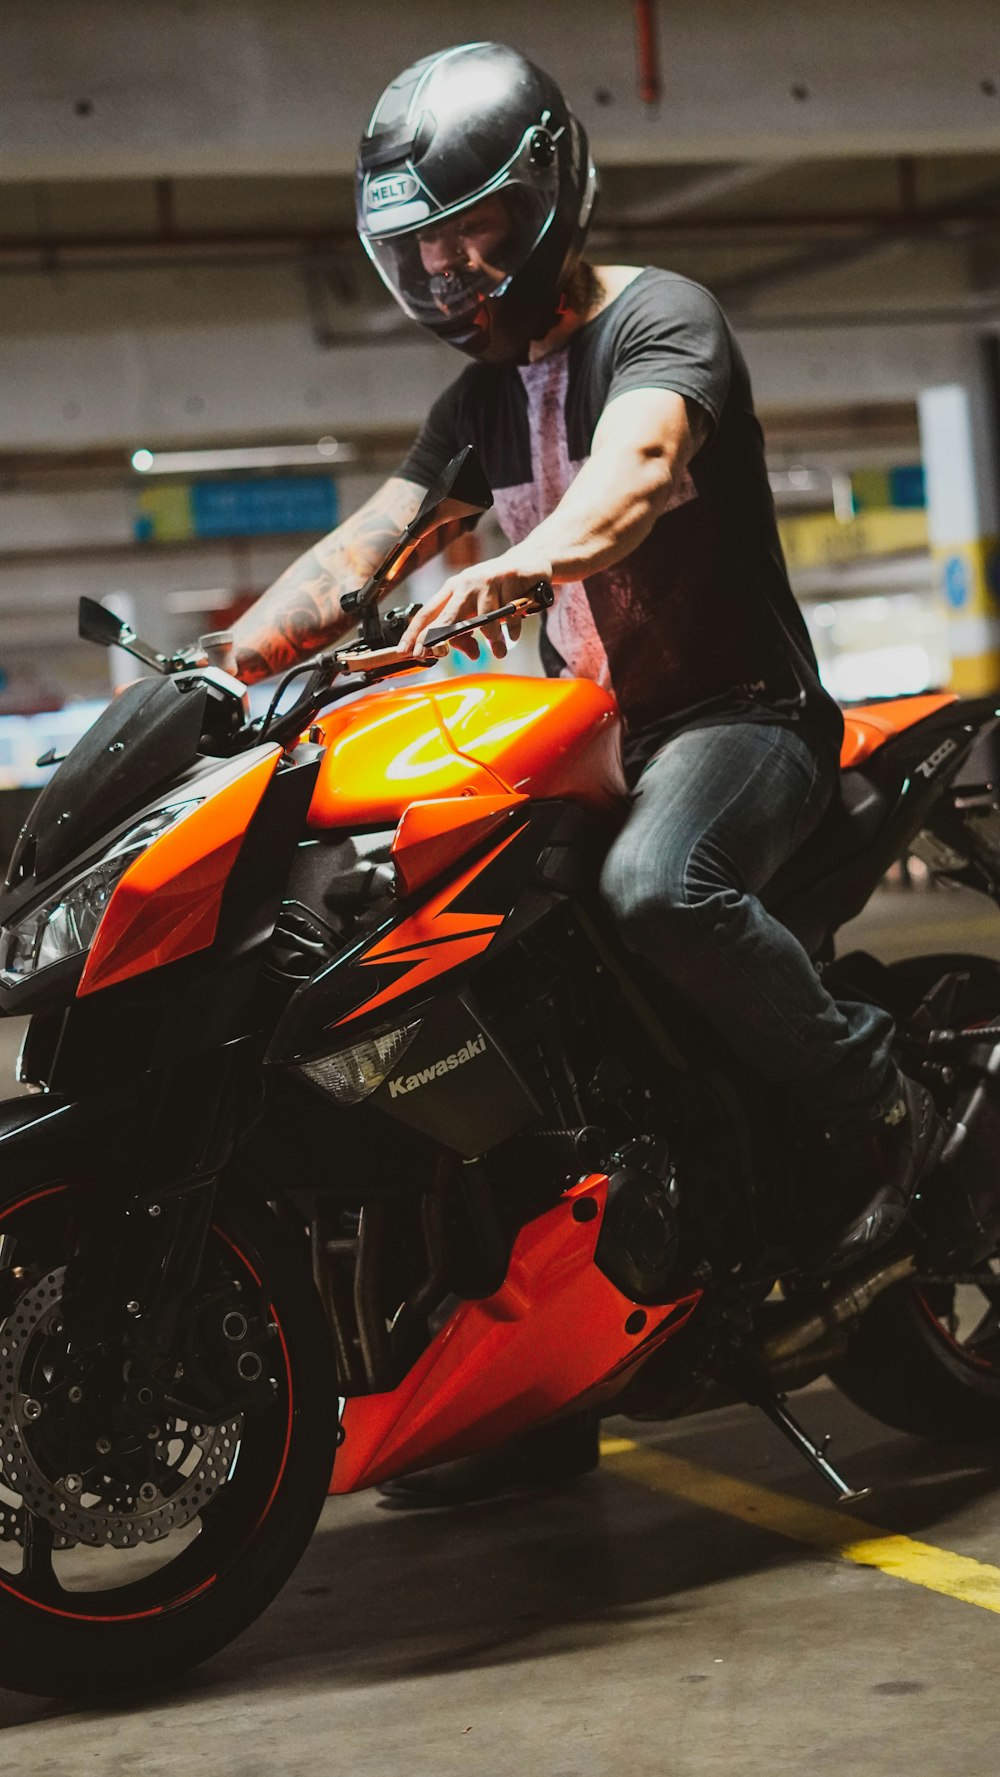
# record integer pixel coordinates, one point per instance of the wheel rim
(964, 1314)
(132, 1529)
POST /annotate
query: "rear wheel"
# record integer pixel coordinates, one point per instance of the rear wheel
(150, 1511)
(926, 1356)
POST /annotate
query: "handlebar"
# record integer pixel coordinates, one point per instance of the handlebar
(371, 665)
(538, 599)
(360, 659)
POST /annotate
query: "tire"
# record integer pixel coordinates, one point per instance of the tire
(262, 1492)
(925, 1358)
(905, 1369)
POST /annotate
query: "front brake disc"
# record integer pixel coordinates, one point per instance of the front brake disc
(193, 1461)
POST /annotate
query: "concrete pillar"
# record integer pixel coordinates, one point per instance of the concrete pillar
(960, 442)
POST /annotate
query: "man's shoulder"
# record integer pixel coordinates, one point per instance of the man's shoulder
(657, 289)
(472, 385)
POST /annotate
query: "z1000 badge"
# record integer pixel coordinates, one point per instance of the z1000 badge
(929, 766)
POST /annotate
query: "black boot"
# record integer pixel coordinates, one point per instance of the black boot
(551, 1456)
(864, 1174)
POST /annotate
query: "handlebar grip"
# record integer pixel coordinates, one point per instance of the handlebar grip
(538, 599)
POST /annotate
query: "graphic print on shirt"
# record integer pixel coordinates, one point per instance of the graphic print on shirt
(570, 625)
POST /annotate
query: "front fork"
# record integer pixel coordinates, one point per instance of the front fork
(139, 1255)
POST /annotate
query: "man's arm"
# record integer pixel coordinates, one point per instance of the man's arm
(642, 445)
(301, 612)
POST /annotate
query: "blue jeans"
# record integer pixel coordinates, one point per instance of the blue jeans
(714, 815)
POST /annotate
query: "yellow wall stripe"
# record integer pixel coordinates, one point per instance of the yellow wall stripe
(819, 538)
(833, 1532)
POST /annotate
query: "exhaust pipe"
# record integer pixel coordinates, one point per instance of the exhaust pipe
(791, 1357)
(820, 1334)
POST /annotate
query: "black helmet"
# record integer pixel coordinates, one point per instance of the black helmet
(474, 193)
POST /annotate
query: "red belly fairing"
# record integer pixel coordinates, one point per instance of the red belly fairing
(480, 735)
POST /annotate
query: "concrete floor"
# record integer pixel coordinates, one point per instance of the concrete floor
(614, 1627)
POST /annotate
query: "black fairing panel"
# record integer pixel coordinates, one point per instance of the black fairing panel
(144, 738)
(878, 811)
(506, 891)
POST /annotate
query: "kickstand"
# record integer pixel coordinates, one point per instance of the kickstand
(778, 1414)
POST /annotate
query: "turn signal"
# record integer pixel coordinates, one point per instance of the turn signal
(353, 1074)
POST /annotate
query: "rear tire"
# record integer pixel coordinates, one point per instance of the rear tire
(259, 1517)
(914, 1362)
(903, 1368)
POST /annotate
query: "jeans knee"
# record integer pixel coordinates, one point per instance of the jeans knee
(650, 916)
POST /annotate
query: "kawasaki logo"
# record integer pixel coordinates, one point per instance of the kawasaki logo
(400, 1086)
(395, 188)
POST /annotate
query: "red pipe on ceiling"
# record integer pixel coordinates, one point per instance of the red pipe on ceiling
(647, 52)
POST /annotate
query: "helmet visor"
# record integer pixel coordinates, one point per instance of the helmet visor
(443, 270)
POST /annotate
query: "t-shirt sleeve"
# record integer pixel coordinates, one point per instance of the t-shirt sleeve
(438, 439)
(673, 335)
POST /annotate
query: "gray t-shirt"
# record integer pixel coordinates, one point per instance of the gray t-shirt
(699, 624)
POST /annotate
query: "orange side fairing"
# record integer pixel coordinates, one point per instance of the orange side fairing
(432, 835)
(557, 1331)
(167, 904)
(866, 729)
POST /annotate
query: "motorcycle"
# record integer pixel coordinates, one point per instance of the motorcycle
(354, 1141)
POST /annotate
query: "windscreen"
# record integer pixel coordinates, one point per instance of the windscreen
(144, 738)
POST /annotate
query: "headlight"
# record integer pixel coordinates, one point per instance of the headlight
(352, 1074)
(65, 925)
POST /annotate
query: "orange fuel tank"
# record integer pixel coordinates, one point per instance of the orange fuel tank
(479, 735)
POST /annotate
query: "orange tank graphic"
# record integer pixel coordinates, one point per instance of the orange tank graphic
(486, 735)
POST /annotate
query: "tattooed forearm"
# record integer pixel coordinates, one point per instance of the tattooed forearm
(301, 612)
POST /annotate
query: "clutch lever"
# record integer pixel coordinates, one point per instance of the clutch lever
(539, 598)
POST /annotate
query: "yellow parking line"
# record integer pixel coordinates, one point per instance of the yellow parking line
(835, 1533)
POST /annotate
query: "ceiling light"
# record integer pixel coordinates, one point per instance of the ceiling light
(254, 456)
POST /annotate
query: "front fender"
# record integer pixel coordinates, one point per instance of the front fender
(45, 1135)
(41, 1116)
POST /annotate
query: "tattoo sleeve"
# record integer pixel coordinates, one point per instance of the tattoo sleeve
(301, 612)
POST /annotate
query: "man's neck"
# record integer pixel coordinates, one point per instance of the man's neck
(590, 289)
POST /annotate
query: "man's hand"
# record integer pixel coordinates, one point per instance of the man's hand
(475, 591)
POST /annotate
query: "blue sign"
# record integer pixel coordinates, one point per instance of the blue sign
(263, 505)
(956, 581)
(906, 485)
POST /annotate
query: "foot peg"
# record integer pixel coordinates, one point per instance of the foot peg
(815, 1454)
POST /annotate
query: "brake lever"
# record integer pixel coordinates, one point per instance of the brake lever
(539, 598)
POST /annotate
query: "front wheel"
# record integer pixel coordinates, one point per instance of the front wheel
(150, 1511)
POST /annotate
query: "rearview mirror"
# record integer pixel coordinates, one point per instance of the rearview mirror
(460, 491)
(98, 624)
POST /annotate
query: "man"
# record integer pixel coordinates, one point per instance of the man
(612, 410)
